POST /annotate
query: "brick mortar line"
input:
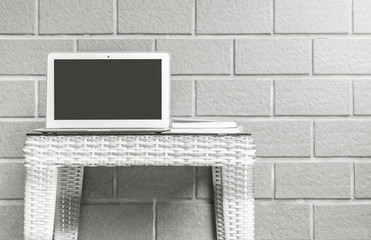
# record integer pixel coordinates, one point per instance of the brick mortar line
(351, 100)
(146, 201)
(242, 118)
(268, 118)
(15, 78)
(278, 75)
(11, 202)
(270, 76)
(311, 72)
(273, 17)
(194, 18)
(316, 202)
(352, 17)
(154, 222)
(37, 17)
(273, 98)
(311, 222)
(36, 101)
(312, 139)
(352, 181)
(233, 60)
(226, 77)
(189, 36)
(153, 45)
(115, 17)
(22, 119)
(201, 77)
(217, 77)
(194, 92)
(273, 181)
(313, 160)
(75, 47)
(262, 201)
(111, 202)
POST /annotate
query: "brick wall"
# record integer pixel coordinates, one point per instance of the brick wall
(294, 73)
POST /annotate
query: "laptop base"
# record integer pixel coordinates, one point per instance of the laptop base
(96, 130)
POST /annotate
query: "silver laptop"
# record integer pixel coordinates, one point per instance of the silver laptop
(108, 92)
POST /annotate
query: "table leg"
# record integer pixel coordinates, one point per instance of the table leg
(68, 203)
(218, 202)
(238, 201)
(40, 194)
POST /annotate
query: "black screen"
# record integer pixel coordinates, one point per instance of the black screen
(107, 89)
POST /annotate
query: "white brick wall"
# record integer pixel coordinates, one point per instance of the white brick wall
(182, 98)
(313, 180)
(28, 56)
(345, 138)
(294, 73)
(342, 55)
(234, 17)
(282, 221)
(280, 138)
(356, 224)
(16, 17)
(263, 172)
(362, 16)
(272, 56)
(76, 17)
(234, 97)
(85, 45)
(17, 98)
(362, 180)
(198, 56)
(362, 97)
(315, 16)
(312, 97)
(156, 17)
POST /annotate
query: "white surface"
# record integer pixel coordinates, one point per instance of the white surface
(200, 123)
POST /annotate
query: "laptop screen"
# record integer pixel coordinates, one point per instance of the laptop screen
(99, 89)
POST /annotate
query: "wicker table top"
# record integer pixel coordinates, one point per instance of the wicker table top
(55, 165)
(138, 149)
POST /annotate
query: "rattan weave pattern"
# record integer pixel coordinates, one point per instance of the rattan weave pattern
(54, 171)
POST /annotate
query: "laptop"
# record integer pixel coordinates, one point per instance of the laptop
(107, 92)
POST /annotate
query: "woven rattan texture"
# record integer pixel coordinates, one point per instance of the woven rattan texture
(55, 164)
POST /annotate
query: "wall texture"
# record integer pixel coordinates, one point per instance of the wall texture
(294, 73)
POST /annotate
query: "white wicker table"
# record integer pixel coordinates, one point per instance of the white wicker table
(55, 166)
